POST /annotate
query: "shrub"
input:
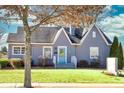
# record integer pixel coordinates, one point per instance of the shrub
(4, 62)
(116, 50)
(45, 62)
(16, 62)
(94, 64)
(114, 47)
(83, 63)
(50, 62)
(32, 62)
(120, 56)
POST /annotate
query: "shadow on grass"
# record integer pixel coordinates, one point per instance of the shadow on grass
(111, 74)
(121, 75)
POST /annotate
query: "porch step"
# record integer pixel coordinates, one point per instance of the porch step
(65, 66)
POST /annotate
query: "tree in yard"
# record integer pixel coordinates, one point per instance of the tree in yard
(2, 32)
(4, 50)
(81, 15)
(40, 15)
(120, 56)
(116, 50)
(114, 47)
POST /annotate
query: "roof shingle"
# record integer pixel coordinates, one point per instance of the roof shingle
(47, 35)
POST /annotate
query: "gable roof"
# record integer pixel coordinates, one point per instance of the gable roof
(59, 33)
(44, 35)
(50, 34)
(105, 38)
(108, 40)
(76, 37)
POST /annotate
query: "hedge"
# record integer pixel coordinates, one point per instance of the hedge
(83, 63)
(4, 62)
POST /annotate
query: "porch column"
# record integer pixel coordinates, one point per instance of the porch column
(54, 61)
(74, 60)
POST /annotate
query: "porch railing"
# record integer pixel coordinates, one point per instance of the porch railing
(54, 61)
(74, 60)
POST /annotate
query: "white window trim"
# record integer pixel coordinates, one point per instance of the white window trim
(94, 34)
(65, 53)
(90, 51)
(20, 50)
(48, 47)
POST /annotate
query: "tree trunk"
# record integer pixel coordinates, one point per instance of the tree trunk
(27, 58)
(27, 39)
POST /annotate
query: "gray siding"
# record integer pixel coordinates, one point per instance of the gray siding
(63, 41)
(37, 50)
(83, 51)
(10, 47)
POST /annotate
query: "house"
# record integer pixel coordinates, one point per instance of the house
(62, 45)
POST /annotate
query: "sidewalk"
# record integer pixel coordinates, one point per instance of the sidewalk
(62, 85)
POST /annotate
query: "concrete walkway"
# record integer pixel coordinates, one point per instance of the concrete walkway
(62, 85)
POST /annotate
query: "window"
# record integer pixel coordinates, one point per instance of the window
(18, 50)
(23, 50)
(94, 52)
(47, 52)
(94, 34)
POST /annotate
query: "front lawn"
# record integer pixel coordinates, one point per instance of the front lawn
(60, 75)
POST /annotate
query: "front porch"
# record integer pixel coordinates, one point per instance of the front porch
(58, 64)
(65, 66)
(59, 57)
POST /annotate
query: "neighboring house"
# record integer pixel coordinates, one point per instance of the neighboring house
(62, 44)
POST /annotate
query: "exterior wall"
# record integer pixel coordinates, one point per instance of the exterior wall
(10, 55)
(63, 41)
(83, 51)
(37, 50)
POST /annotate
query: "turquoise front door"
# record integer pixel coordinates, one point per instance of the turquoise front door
(62, 54)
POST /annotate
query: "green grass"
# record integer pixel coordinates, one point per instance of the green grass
(60, 75)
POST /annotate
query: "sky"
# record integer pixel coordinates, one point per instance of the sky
(111, 21)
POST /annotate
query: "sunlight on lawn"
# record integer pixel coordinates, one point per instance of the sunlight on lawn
(60, 75)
